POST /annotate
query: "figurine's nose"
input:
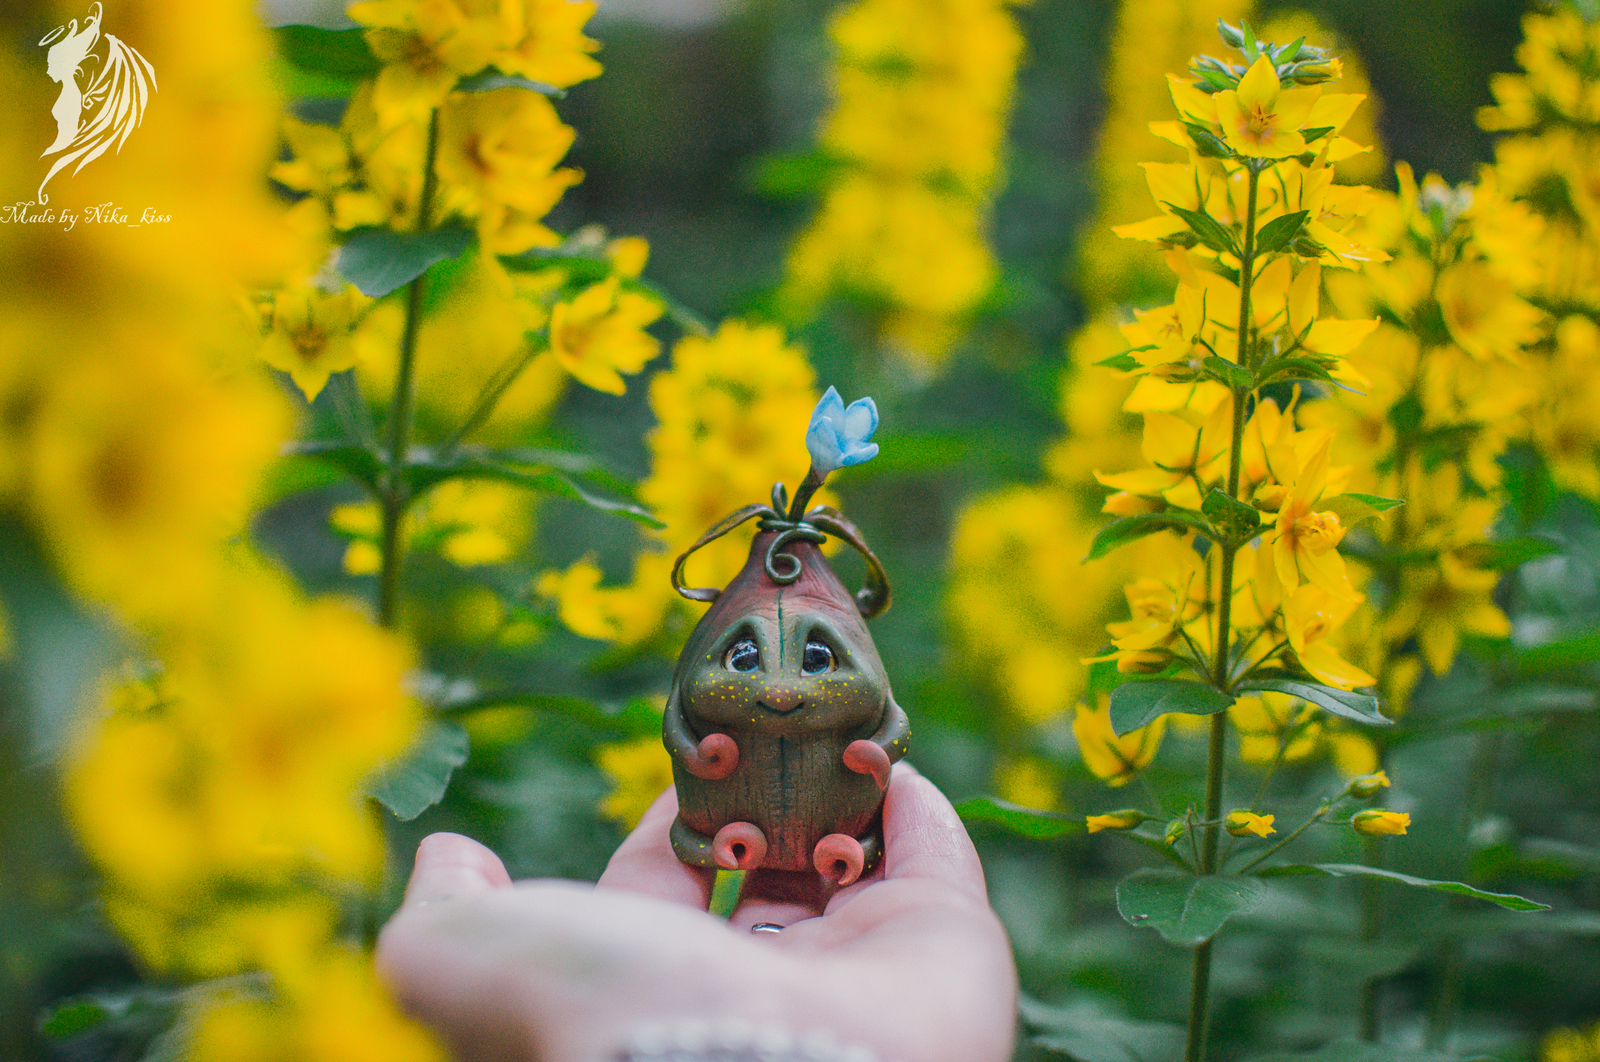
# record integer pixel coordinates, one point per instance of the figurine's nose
(780, 699)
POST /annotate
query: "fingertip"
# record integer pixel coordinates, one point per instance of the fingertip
(924, 836)
(449, 865)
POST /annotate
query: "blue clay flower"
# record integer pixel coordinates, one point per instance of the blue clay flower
(837, 436)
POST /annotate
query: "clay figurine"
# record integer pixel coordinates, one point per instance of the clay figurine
(780, 721)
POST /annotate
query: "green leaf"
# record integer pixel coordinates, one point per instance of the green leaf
(1233, 375)
(1354, 960)
(1120, 362)
(1354, 510)
(1343, 870)
(492, 79)
(1186, 909)
(424, 470)
(1276, 234)
(1029, 822)
(379, 260)
(358, 462)
(1311, 136)
(1563, 653)
(1121, 531)
(1360, 707)
(1087, 1035)
(1206, 143)
(1136, 704)
(341, 53)
(417, 780)
(1210, 231)
(1234, 518)
(1295, 369)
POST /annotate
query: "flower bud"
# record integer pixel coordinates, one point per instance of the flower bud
(1377, 822)
(1174, 831)
(1241, 823)
(1126, 503)
(1126, 819)
(1367, 784)
(1142, 662)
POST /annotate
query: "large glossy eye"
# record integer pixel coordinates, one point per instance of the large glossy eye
(816, 659)
(742, 656)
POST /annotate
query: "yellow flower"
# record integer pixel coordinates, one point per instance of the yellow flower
(1376, 822)
(617, 614)
(311, 335)
(1114, 759)
(638, 771)
(600, 334)
(1483, 312)
(1115, 820)
(1182, 454)
(546, 41)
(1304, 539)
(1243, 823)
(1261, 119)
(1439, 604)
(426, 46)
(1310, 615)
(498, 153)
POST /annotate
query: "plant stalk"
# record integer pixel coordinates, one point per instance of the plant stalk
(1194, 1049)
(393, 496)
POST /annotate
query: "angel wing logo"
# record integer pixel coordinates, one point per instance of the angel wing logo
(103, 97)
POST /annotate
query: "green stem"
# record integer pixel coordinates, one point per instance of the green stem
(1372, 856)
(393, 496)
(1194, 1049)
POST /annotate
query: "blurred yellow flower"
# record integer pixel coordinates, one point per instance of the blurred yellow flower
(600, 334)
(639, 770)
(1114, 760)
(498, 153)
(311, 334)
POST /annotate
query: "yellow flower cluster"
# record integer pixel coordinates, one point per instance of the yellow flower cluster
(214, 783)
(1260, 147)
(1550, 160)
(1155, 38)
(731, 417)
(486, 158)
(922, 92)
(1446, 387)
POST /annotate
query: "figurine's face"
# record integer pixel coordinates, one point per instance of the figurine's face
(785, 665)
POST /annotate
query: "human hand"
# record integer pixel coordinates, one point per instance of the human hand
(909, 962)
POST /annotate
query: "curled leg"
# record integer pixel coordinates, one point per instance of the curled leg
(690, 846)
(739, 846)
(839, 858)
(712, 757)
(865, 757)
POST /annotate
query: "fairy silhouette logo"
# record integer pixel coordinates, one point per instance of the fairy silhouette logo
(103, 93)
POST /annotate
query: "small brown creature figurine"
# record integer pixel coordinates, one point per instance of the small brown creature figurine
(780, 721)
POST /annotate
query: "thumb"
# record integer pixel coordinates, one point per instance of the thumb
(449, 865)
